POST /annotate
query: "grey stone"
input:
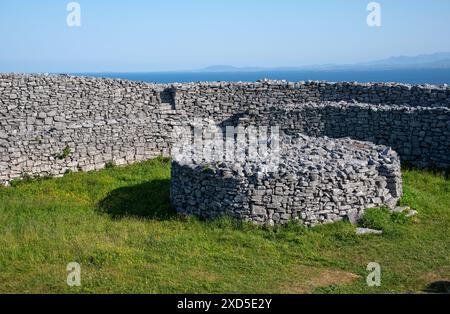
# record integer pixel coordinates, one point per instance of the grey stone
(298, 156)
(401, 209)
(364, 231)
(353, 216)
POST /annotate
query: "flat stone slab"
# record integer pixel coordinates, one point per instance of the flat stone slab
(412, 213)
(401, 209)
(364, 231)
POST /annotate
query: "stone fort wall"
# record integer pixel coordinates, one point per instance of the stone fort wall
(52, 124)
(317, 181)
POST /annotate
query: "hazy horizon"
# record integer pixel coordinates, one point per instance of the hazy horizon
(307, 67)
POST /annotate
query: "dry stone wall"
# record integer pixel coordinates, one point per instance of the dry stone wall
(53, 124)
(413, 120)
(319, 180)
(420, 135)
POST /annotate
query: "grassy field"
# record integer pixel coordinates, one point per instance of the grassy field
(117, 223)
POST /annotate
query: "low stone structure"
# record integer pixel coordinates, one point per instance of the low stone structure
(319, 180)
(51, 124)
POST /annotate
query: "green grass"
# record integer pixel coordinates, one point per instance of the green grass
(118, 224)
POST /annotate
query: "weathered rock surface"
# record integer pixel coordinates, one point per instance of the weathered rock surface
(319, 180)
(364, 231)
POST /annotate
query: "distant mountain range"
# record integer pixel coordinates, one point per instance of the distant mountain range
(430, 61)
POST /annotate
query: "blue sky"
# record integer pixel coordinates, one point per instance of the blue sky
(156, 35)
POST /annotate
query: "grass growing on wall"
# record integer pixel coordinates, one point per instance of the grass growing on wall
(118, 224)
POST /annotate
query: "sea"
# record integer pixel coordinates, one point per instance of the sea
(407, 76)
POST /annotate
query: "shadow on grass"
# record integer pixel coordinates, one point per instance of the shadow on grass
(150, 200)
(438, 287)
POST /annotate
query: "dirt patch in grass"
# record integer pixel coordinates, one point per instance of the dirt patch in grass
(305, 279)
(438, 281)
(202, 275)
